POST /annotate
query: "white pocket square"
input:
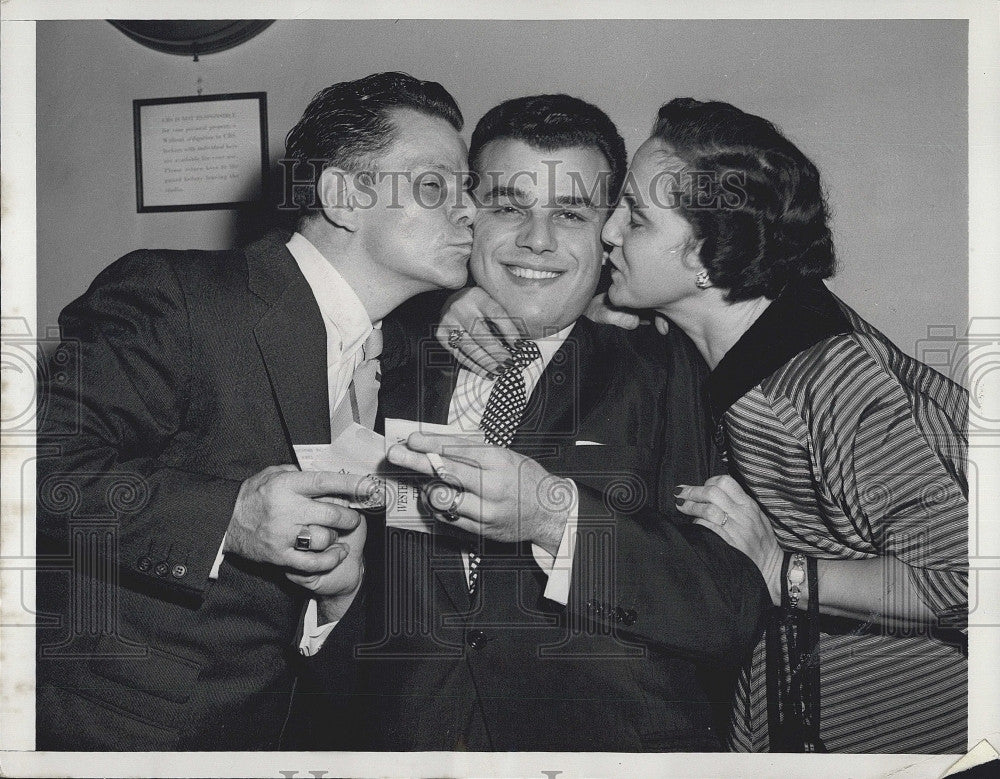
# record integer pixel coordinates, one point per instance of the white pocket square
(589, 443)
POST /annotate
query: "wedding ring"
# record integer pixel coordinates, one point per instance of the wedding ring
(725, 519)
(303, 540)
(455, 335)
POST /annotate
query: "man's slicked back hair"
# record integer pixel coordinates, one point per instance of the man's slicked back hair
(348, 125)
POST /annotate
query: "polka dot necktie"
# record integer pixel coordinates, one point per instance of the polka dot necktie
(502, 416)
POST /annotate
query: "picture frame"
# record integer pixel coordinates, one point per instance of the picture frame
(201, 152)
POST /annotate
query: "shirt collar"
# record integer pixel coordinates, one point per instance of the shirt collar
(803, 314)
(550, 344)
(343, 312)
(547, 347)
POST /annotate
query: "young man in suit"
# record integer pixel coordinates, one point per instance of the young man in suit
(558, 609)
(173, 525)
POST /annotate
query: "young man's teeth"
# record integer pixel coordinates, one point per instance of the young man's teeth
(528, 273)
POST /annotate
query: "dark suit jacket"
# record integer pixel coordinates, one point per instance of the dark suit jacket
(657, 604)
(180, 374)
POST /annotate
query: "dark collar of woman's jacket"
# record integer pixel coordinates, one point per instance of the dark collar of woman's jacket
(804, 314)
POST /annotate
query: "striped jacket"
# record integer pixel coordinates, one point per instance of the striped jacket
(856, 450)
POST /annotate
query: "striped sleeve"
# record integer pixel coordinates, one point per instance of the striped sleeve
(905, 494)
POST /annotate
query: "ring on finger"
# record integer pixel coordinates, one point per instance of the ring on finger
(303, 541)
(455, 335)
(725, 519)
(373, 495)
(451, 513)
(437, 492)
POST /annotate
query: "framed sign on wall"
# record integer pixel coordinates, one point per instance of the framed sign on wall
(200, 153)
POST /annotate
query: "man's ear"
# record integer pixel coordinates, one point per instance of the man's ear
(337, 194)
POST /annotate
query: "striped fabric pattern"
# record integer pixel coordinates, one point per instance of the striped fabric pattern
(869, 449)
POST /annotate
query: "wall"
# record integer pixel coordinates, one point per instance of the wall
(879, 105)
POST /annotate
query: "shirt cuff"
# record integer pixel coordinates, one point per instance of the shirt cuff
(313, 635)
(559, 569)
(214, 573)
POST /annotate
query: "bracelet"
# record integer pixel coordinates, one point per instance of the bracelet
(796, 578)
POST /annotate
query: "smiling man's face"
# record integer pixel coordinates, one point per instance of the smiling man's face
(537, 237)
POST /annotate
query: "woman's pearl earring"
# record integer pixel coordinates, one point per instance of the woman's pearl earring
(605, 258)
(701, 280)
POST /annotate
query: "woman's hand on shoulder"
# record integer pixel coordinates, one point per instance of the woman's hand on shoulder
(723, 507)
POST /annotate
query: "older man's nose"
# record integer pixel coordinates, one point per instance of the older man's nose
(464, 211)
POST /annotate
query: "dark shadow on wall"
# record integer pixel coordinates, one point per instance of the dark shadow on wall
(265, 212)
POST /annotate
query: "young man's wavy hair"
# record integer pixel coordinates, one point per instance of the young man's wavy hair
(550, 123)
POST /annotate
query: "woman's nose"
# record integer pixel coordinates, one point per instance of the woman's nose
(612, 231)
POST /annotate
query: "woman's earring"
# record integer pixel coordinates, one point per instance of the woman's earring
(605, 258)
(701, 280)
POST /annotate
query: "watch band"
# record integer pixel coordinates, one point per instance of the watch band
(796, 578)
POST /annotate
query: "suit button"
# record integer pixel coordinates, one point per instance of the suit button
(477, 639)
(161, 568)
(144, 563)
(179, 571)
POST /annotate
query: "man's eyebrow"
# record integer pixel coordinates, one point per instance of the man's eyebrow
(573, 201)
(511, 193)
(428, 162)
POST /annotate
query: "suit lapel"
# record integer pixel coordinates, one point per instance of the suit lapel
(449, 570)
(569, 387)
(291, 337)
(435, 387)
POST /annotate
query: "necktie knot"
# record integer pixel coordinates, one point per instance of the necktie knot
(525, 352)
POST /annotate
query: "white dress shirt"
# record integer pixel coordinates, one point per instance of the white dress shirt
(346, 321)
(344, 315)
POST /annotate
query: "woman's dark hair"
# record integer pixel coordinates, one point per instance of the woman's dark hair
(764, 221)
(348, 125)
(550, 123)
